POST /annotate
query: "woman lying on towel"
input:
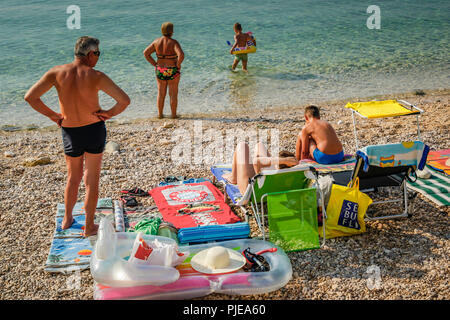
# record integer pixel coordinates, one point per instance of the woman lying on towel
(244, 168)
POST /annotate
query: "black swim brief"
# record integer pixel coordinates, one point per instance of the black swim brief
(90, 138)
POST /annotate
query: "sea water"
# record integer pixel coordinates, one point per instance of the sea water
(309, 51)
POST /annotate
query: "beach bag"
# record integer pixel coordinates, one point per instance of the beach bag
(345, 211)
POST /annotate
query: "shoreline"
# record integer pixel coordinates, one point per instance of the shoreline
(203, 115)
(411, 253)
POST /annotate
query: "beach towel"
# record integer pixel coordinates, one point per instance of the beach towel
(395, 154)
(439, 160)
(193, 204)
(345, 165)
(436, 188)
(70, 251)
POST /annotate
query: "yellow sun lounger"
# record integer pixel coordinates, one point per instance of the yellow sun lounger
(383, 109)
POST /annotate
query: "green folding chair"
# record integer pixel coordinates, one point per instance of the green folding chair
(292, 217)
(264, 184)
(270, 182)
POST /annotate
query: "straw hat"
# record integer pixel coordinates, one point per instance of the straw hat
(217, 260)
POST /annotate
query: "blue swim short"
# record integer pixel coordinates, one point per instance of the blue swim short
(323, 158)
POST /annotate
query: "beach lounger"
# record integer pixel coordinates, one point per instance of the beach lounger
(264, 184)
(388, 165)
(383, 109)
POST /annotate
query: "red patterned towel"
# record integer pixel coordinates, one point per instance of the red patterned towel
(193, 204)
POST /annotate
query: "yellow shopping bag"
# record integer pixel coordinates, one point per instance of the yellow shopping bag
(345, 211)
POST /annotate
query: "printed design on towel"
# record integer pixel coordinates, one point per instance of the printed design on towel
(201, 213)
(182, 195)
(388, 161)
(199, 208)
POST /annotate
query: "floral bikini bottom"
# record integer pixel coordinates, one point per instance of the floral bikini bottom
(166, 73)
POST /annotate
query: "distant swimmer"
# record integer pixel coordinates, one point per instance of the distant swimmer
(240, 41)
(82, 122)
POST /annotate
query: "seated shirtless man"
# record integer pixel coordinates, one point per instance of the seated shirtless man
(244, 167)
(82, 122)
(318, 140)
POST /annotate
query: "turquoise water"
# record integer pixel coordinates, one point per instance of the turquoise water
(308, 51)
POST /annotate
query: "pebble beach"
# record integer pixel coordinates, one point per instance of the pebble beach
(410, 256)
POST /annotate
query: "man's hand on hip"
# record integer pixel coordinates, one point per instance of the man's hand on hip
(103, 114)
(58, 118)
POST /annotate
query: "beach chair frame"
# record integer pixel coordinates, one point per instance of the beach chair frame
(402, 172)
(404, 103)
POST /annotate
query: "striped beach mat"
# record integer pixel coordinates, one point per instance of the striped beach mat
(436, 188)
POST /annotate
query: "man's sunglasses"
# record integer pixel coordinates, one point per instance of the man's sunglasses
(97, 53)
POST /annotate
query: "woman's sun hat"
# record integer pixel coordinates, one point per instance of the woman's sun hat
(217, 260)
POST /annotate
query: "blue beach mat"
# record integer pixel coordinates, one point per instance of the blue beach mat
(232, 190)
(70, 251)
(230, 231)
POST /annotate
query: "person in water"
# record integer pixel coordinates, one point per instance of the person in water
(167, 67)
(318, 140)
(240, 40)
(82, 122)
(243, 167)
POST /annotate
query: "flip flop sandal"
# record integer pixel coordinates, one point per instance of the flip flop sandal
(136, 192)
(170, 179)
(129, 201)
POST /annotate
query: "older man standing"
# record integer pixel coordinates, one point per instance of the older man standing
(82, 122)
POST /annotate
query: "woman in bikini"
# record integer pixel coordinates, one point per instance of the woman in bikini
(245, 167)
(167, 68)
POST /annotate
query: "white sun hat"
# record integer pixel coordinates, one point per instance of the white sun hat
(216, 260)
